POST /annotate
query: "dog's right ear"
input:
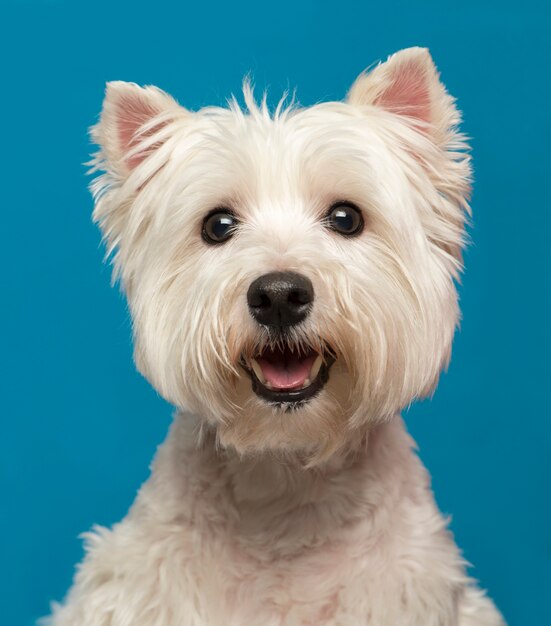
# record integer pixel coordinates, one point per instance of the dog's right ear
(131, 125)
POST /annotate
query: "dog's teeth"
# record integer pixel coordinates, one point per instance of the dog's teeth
(258, 371)
(316, 367)
(268, 385)
(307, 383)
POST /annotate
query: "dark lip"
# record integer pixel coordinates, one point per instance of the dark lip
(292, 397)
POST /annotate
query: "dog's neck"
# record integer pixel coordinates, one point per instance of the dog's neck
(275, 503)
(279, 499)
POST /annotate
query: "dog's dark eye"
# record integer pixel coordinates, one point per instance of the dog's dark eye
(218, 226)
(345, 218)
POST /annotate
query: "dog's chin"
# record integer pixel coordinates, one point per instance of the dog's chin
(288, 377)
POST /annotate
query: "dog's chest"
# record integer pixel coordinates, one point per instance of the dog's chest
(342, 582)
(301, 589)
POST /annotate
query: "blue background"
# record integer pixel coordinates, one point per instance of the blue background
(79, 425)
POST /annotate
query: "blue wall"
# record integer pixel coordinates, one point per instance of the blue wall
(79, 425)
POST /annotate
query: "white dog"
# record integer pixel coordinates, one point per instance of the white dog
(291, 281)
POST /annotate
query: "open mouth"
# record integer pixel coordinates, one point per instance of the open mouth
(285, 375)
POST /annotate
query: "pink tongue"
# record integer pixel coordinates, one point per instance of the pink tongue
(288, 372)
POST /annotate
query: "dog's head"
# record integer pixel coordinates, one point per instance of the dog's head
(290, 274)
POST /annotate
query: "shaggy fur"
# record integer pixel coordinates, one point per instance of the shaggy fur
(259, 514)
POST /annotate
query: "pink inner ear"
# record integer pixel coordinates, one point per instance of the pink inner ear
(133, 114)
(408, 92)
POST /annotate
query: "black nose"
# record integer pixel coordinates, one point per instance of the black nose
(280, 298)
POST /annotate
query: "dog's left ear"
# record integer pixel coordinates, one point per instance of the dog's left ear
(408, 84)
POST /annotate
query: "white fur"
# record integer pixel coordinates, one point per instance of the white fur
(255, 515)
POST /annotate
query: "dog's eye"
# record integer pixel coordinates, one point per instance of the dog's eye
(345, 218)
(218, 226)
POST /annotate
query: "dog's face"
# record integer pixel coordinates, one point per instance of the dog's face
(290, 275)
